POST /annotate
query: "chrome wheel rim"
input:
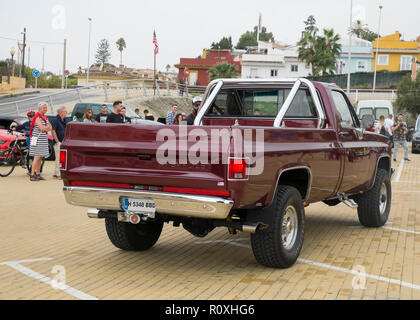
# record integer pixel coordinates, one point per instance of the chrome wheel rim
(383, 199)
(289, 228)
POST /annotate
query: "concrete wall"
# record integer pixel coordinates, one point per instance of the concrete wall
(15, 83)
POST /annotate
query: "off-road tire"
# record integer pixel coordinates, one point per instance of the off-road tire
(369, 212)
(129, 237)
(267, 244)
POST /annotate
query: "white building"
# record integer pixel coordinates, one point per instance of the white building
(273, 60)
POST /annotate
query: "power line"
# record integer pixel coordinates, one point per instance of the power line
(32, 41)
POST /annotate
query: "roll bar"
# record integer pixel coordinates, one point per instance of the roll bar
(216, 85)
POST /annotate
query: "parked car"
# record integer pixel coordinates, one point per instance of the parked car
(8, 122)
(80, 109)
(314, 149)
(416, 137)
(377, 108)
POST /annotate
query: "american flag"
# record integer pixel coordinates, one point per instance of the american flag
(155, 42)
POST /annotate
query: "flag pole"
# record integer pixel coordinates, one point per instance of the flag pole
(154, 74)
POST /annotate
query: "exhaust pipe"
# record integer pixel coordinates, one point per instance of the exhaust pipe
(93, 214)
(250, 228)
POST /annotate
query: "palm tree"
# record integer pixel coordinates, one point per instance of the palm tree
(328, 50)
(223, 71)
(306, 49)
(121, 46)
(358, 28)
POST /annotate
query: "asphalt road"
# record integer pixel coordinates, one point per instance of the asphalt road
(22, 104)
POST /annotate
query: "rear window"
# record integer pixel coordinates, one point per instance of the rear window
(262, 103)
(381, 112)
(365, 112)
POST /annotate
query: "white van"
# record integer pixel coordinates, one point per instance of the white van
(376, 108)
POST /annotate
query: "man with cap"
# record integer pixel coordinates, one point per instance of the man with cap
(196, 106)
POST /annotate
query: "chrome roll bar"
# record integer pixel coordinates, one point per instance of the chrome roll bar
(217, 85)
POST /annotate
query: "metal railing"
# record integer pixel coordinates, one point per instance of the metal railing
(101, 93)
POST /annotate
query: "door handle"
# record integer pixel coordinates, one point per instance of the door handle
(343, 134)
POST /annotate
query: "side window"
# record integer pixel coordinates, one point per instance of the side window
(225, 105)
(261, 103)
(343, 109)
(302, 106)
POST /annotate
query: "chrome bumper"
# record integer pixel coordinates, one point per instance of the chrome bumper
(196, 206)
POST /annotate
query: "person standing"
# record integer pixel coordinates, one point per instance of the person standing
(101, 118)
(58, 132)
(39, 140)
(399, 130)
(115, 116)
(196, 106)
(389, 123)
(170, 117)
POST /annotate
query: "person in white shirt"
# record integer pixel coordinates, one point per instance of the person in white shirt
(389, 123)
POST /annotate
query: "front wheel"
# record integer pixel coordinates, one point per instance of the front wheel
(280, 244)
(130, 237)
(7, 163)
(375, 205)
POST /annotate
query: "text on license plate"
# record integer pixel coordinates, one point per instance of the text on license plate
(139, 205)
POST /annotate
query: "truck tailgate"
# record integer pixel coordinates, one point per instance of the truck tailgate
(125, 154)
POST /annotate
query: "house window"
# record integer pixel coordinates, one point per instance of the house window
(294, 68)
(362, 65)
(274, 73)
(406, 63)
(383, 60)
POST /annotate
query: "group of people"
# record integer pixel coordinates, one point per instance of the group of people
(174, 118)
(397, 131)
(119, 115)
(37, 129)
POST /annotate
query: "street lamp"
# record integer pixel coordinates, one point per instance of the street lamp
(12, 53)
(377, 48)
(88, 67)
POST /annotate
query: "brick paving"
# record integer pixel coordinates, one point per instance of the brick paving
(36, 222)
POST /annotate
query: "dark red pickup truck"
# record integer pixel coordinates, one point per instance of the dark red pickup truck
(260, 151)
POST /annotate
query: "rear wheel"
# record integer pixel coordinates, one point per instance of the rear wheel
(280, 244)
(375, 205)
(7, 163)
(130, 237)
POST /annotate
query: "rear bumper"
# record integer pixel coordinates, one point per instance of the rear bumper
(205, 207)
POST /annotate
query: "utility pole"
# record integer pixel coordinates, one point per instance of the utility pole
(22, 70)
(88, 67)
(29, 57)
(43, 61)
(349, 53)
(64, 64)
(377, 49)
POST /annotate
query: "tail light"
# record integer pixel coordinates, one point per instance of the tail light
(238, 169)
(63, 160)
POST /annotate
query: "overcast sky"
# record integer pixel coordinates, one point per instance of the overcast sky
(183, 27)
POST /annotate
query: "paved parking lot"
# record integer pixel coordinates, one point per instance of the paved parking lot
(45, 241)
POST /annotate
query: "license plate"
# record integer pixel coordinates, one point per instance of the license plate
(138, 205)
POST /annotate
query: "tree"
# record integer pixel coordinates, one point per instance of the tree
(248, 39)
(223, 71)
(310, 24)
(103, 53)
(224, 44)
(358, 28)
(264, 35)
(121, 45)
(319, 51)
(369, 35)
(168, 67)
(327, 50)
(409, 96)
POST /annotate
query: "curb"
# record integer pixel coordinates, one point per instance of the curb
(18, 94)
